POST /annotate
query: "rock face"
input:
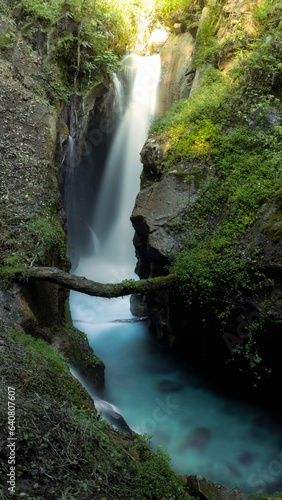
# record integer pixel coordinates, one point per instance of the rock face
(33, 137)
(202, 488)
(199, 487)
(165, 194)
(155, 209)
(177, 71)
(156, 212)
(158, 206)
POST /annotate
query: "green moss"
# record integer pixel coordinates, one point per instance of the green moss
(31, 239)
(79, 353)
(273, 226)
(49, 235)
(53, 379)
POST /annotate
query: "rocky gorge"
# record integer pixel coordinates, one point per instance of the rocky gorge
(173, 180)
(35, 150)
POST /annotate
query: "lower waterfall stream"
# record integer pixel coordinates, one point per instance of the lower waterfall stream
(206, 432)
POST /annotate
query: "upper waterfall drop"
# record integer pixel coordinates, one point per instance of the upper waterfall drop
(69, 161)
(135, 104)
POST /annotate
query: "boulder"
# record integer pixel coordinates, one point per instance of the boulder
(155, 208)
(265, 117)
(201, 488)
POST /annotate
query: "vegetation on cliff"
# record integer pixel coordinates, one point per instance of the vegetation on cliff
(50, 51)
(231, 126)
(83, 38)
(63, 448)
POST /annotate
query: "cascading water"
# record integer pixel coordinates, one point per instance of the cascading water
(206, 432)
(68, 161)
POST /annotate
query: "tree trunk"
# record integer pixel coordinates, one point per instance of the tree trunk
(83, 285)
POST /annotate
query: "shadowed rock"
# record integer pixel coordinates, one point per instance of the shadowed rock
(111, 416)
(199, 487)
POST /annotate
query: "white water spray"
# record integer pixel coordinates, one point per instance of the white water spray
(111, 224)
(69, 167)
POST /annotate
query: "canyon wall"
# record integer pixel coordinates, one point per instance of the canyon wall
(34, 143)
(167, 191)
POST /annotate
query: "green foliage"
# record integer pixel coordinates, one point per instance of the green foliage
(48, 235)
(224, 129)
(46, 12)
(124, 18)
(85, 39)
(167, 9)
(208, 48)
(247, 173)
(34, 240)
(54, 379)
(128, 284)
(7, 40)
(264, 12)
(260, 69)
(251, 355)
(155, 472)
(192, 125)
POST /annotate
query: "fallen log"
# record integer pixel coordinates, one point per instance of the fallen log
(89, 287)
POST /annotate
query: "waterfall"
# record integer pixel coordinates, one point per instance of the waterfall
(111, 227)
(68, 161)
(206, 432)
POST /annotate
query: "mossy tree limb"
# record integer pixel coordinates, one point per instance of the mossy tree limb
(89, 287)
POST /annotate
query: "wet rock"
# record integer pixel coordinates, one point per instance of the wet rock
(231, 494)
(265, 118)
(154, 209)
(112, 416)
(117, 421)
(138, 306)
(200, 487)
(151, 155)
